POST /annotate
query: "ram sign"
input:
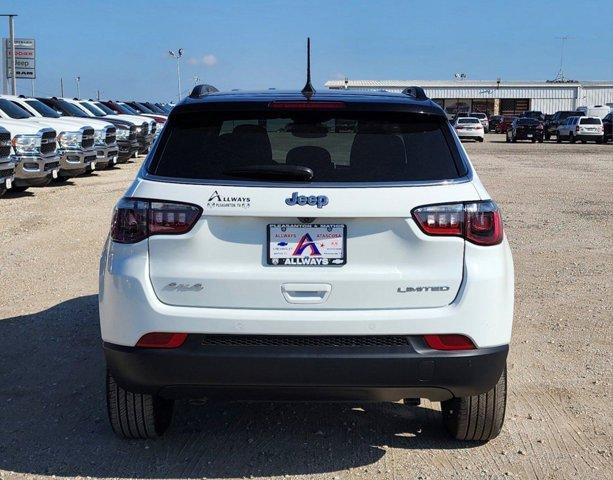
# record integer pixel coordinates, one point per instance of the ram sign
(25, 58)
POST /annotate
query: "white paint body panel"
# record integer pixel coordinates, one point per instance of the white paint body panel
(386, 250)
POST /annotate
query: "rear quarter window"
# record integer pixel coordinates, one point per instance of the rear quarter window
(338, 147)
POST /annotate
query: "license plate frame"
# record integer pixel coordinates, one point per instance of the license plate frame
(282, 257)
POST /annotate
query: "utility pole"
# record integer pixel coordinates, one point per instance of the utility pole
(11, 17)
(61, 87)
(98, 95)
(32, 88)
(78, 79)
(177, 56)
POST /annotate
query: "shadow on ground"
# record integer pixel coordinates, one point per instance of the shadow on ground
(53, 418)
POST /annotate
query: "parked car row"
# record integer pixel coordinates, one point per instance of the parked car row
(52, 139)
(587, 124)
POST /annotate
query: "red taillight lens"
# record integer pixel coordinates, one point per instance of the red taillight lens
(477, 222)
(449, 342)
(162, 340)
(306, 105)
(136, 219)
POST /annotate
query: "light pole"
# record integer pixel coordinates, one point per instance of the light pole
(177, 56)
(11, 17)
(78, 80)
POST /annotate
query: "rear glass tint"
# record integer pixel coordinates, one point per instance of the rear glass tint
(590, 121)
(343, 147)
(528, 121)
(468, 120)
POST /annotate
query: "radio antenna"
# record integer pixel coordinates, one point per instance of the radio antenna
(308, 89)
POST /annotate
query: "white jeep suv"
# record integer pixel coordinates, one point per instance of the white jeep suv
(334, 246)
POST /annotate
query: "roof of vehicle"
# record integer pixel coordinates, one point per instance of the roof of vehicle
(354, 100)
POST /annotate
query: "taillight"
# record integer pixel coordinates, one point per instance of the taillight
(577, 128)
(449, 342)
(477, 222)
(135, 219)
(162, 340)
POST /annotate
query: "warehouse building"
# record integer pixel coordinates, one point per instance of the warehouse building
(496, 97)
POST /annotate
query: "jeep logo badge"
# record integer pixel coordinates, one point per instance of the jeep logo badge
(319, 200)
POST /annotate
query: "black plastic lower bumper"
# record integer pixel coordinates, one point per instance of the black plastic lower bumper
(197, 369)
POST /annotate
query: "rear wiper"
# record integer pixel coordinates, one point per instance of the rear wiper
(273, 172)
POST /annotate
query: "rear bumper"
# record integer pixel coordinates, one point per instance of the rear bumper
(537, 135)
(306, 372)
(590, 137)
(470, 134)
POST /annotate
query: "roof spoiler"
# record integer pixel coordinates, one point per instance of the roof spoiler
(202, 90)
(416, 92)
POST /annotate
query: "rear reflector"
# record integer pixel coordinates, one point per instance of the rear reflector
(135, 219)
(162, 340)
(306, 105)
(449, 342)
(477, 222)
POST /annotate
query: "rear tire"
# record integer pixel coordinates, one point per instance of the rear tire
(558, 138)
(477, 418)
(572, 138)
(136, 415)
(3, 191)
(18, 189)
(480, 139)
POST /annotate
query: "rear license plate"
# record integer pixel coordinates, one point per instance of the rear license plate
(529, 135)
(307, 245)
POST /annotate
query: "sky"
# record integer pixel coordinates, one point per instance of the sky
(121, 47)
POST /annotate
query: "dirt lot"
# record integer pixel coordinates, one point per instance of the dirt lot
(557, 202)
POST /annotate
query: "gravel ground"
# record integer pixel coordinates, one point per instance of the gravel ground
(556, 201)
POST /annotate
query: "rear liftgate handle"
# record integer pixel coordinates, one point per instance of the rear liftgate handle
(306, 292)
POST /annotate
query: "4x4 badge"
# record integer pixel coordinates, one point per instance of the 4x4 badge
(319, 200)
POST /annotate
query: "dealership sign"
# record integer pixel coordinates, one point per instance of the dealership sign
(25, 58)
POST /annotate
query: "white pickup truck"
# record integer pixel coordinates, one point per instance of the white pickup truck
(7, 166)
(34, 153)
(75, 138)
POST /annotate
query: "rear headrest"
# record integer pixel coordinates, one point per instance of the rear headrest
(252, 141)
(377, 155)
(316, 158)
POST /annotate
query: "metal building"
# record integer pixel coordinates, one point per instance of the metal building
(496, 97)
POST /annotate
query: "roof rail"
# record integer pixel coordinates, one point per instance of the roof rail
(416, 92)
(202, 90)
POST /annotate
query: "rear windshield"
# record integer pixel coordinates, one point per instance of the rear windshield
(478, 115)
(344, 147)
(590, 121)
(468, 120)
(527, 121)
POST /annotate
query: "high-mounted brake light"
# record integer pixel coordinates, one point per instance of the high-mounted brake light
(449, 342)
(477, 222)
(306, 105)
(162, 340)
(135, 219)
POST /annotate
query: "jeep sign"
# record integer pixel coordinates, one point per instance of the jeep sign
(25, 58)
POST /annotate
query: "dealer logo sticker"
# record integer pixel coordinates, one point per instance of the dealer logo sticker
(218, 200)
